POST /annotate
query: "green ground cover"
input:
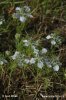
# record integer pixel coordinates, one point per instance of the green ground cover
(32, 47)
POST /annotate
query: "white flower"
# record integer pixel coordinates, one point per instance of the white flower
(27, 61)
(53, 42)
(56, 68)
(44, 50)
(26, 43)
(18, 8)
(36, 51)
(29, 15)
(48, 37)
(1, 62)
(7, 52)
(22, 19)
(15, 55)
(33, 47)
(27, 9)
(32, 60)
(40, 64)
